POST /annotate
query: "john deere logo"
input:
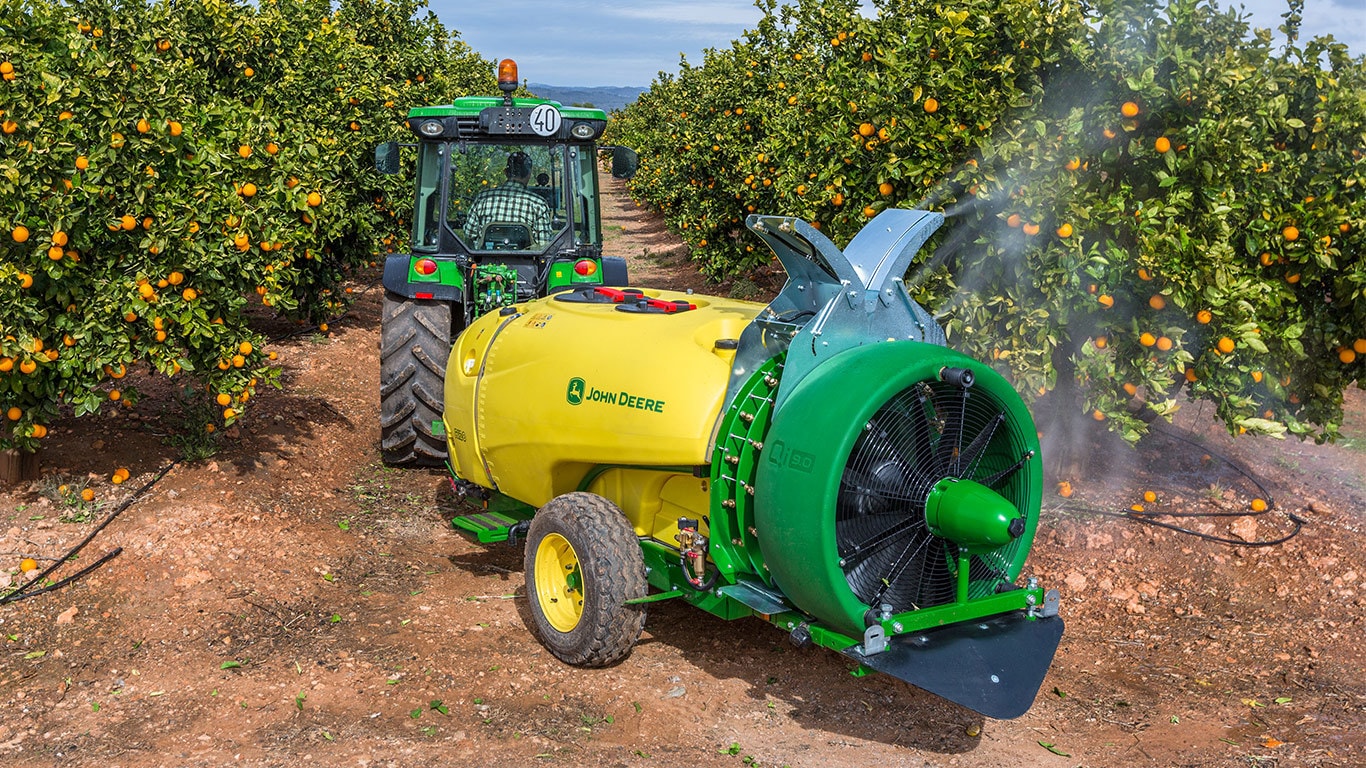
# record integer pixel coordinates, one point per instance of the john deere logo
(575, 393)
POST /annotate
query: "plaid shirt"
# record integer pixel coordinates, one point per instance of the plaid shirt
(509, 202)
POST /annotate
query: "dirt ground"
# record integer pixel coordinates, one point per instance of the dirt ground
(292, 600)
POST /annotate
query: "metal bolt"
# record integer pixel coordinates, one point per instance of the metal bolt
(896, 626)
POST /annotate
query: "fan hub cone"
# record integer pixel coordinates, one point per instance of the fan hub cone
(972, 515)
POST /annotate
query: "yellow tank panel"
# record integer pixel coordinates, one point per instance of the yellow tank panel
(536, 400)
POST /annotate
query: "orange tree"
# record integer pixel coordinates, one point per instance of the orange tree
(166, 164)
(1136, 206)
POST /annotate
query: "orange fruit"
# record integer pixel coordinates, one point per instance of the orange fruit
(144, 126)
(39, 431)
(1149, 496)
(1164, 343)
(869, 211)
(175, 128)
(1347, 356)
(1031, 229)
(837, 200)
(1225, 345)
(1129, 109)
(223, 398)
(188, 294)
(1359, 346)
(248, 72)
(1064, 489)
(1101, 342)
(315, 200)
(20, 234)
(238, 361)
(1162, 145)
(244, 151)
(127, 223)
(1065, 230)
(1097, 415)
(1144, 274)
(55, 253)
(228, 414)
(14, 413)
(1130, 389)
(931, 105)
(7, 364)
(1258, 505)
(87, 495)
(884, 189)
(82, 163)
(866, 129)
(114, 394)
(323, 326)
(28, 366)
(1073, 164)
(1203, 317)
(129, 316)
(1291, 233)
(1257, 376)
(175, 278)
(245, 347)
(1157, 301)
(1147, 339)
(248, 190)
(272, 148)
(291, 182)
(1013, 220)
(28, 564)
(1106, 300)
(1292, 279)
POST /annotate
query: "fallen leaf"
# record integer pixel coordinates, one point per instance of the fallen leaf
(1048, 745)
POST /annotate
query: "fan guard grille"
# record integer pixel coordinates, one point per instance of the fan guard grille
(928, 431)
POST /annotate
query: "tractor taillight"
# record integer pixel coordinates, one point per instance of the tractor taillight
(425, 267)
(586, 267)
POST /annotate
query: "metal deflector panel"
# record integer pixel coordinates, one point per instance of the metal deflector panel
(993, 666)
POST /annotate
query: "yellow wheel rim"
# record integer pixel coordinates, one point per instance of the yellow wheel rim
(559, 582)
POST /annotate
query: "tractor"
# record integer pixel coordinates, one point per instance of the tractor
(823, 462)
(506, 210)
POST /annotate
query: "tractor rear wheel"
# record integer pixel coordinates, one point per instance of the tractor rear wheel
(415, 340)
(583, 563)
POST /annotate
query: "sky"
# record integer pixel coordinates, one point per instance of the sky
(610, 42)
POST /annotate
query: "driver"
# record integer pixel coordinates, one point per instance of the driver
(511, 202)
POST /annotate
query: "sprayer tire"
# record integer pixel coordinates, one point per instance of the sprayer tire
(415, 340)
(609, 570)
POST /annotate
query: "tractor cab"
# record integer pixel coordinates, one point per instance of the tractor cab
(506, 190)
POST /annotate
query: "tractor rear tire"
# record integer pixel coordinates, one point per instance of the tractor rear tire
(583, 562)
(415, 340)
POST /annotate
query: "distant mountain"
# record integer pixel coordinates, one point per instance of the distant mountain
(606, 98)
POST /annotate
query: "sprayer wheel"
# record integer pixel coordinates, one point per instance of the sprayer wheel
(415, 340)
(583, 563)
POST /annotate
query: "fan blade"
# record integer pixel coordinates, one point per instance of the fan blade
(852, 554)
(973, 453)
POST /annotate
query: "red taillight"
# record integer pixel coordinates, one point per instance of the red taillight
(422, 295)
(586, 267)
(425, 267)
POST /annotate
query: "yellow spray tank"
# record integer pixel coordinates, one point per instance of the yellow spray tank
(822, 461)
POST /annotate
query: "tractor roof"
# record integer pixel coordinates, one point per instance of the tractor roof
(471, 106)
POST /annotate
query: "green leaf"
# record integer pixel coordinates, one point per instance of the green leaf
(230, 665)
(1048, 745)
